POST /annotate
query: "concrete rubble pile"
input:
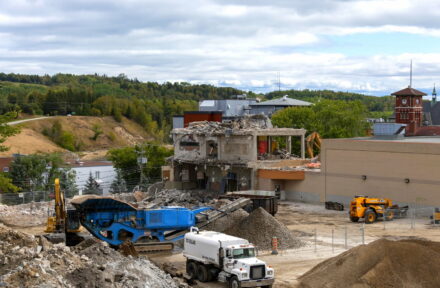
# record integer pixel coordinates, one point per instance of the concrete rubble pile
(259, 228)
(174, 197)
(28, 261)
(250, 122)
(382, 263)
(25, 215)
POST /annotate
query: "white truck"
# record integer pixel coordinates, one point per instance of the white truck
(217, 256)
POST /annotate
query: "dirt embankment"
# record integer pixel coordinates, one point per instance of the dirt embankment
(112, 134)
(382, 263)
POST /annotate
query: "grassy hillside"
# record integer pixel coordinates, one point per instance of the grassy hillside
(88, 134)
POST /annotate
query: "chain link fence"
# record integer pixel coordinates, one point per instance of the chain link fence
(417, 223)
(25, 197)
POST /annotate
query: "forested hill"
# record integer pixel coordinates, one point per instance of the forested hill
(373, 103)
(148, 103)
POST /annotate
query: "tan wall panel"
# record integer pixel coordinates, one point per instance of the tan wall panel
(313, 184)
(386, 164)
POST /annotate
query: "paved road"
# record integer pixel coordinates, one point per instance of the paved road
(26, 120)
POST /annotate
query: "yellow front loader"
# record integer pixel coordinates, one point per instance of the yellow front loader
(372, 208)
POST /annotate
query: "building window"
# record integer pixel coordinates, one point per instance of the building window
(6, 169)
(188, 143)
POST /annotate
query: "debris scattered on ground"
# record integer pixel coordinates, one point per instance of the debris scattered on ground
(25, 215)
(382, 263)
(259, 228)
(27, 261)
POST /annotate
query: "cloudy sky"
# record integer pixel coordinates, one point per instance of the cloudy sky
(347, 45)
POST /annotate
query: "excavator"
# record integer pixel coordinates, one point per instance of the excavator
(313, 141)
(64, 225)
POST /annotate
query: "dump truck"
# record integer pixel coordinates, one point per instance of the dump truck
(373, 208)
(214, 256)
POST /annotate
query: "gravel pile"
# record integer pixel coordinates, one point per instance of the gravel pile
(28, 261)
(259, 228)
(227, 222)
(382, 263)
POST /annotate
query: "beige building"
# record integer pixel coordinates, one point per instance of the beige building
(223, 157)
(404, 170)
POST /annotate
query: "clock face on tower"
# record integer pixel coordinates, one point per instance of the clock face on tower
(404, 101)
(417, 101)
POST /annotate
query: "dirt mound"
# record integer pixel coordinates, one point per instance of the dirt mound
(382, 263)
(27, 261)
(259, 228)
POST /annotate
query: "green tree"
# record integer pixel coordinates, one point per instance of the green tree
(91, 187)
(125, 160)
(118, 185)
(6, 185)
(38, 172)
(6, 130)
(330, 118)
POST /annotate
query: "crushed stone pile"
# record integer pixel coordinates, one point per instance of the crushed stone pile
(28, 261)
(227, 222)
(259, 228)
(25, 215)
(382, 263)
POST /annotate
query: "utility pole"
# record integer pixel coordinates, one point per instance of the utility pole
(141, 160)
(279, 81)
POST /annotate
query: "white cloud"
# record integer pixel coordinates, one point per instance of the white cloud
(240, 43)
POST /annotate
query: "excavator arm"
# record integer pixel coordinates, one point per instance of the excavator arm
(313, 141)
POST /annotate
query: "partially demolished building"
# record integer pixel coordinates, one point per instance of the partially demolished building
(226, 156)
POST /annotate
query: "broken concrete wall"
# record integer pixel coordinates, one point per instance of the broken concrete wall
(238, 148)
(189, 147)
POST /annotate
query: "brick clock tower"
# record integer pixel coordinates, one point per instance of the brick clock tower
(409, 108)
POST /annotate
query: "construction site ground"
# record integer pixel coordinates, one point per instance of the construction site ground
(303, 220)
(314, 225)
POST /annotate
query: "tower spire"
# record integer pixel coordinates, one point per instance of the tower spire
(410, 75)
(434, 95)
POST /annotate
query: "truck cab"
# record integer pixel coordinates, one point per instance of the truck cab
(224, 258)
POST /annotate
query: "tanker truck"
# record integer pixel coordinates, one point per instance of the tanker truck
(214, 256)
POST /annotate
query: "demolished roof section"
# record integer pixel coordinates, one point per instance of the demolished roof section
(243, 126)
(259, 125)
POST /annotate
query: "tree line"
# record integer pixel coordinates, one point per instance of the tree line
(150, 104)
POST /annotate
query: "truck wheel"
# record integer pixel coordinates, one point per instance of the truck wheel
(389, 215)
(234, 283)
(202, 273)
(370, 217)
(354, 219)
(191, 269)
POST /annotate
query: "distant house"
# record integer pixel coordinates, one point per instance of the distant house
(102, 171)
(269, 107)
(231, 108)
(5, 163)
